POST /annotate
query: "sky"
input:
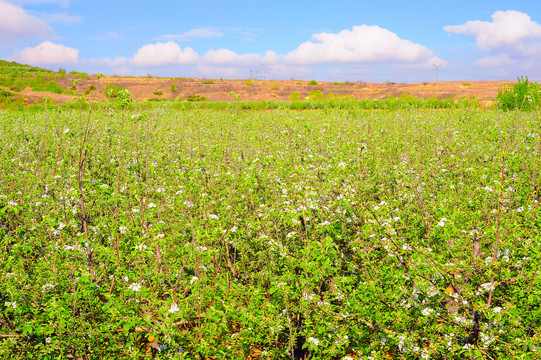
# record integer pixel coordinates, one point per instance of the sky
(338, 40)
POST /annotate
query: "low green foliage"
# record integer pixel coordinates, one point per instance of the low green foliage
(208, 82)
(111, 90)
(196, 98)
(316, 95)
(295, 96)
(523, 95)
(173, 87)
(327, 234)
(158, 93)
(52, 86)
(312, 82)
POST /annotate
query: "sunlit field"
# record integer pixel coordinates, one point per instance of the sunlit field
(279, 234)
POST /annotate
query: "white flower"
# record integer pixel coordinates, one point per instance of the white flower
(497, 310)
(61, 225)
(135, 287)
(13, 304)
(48, 340)
(66, 130)
(427, 311)
(173, 309)
(151, 205)
(520, 209)
(314, 340)
(134, 210)
(141, 247)
(160, 190)
(188, 203)
(46, 287)
(214, 217)
(12, 203)
(325, 223)
(122, 229)
(193, 279)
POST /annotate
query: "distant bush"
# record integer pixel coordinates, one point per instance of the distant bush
(207, 82)
(90, 89)
(52, 86)
(316, 95)
(312, 82)
(249, 82)
(81, 74)
(195, 98)
(296, 96)
(158, 93)
(173, 87)
(111, 90)
(523, 95)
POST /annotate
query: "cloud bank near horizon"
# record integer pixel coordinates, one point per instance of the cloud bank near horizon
(510, 40)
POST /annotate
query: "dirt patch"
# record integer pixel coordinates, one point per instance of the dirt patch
(144, 88)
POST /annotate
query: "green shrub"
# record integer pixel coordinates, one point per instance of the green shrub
(196, 98)
(249, 82)
(52, 86)
(524, 95)
(207, 82)
(173, 87)
(312, 82)
(158, 93)
(316, 95)
(296, 96)
(111, 90)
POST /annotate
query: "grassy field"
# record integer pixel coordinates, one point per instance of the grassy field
(279, 234)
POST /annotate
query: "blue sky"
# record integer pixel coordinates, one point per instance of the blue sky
(401, 41)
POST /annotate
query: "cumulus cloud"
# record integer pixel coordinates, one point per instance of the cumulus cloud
(226, 56)
(164, 54)
(207, 32)
(361, 44)
(62, 18)
(47, 53)
(509, 30)
(117, 61)
(15, 23)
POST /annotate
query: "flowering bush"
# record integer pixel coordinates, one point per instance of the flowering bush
(276, 235)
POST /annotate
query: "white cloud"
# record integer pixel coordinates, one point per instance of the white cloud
(509, 30)
(117, 61)
(164, 54)
(47, 53)
(203, 32)
(110, 36)
(495, 61)
(62, 18)
(226, 56)
(361, 44)
(16, 23)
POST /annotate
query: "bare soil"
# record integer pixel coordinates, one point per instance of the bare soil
(145, 88)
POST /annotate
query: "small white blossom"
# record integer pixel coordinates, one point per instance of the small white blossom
(173, 308)
(135, 287)
(12, 304)
(214, 217)
(188, 204)
(193, 279)
(427, 311)
(151, 205)
(314, 340)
